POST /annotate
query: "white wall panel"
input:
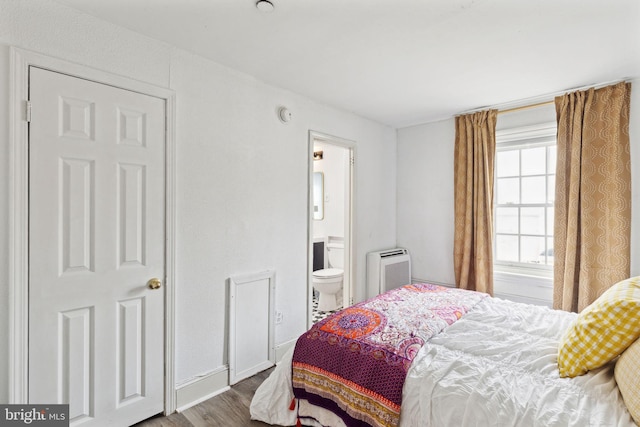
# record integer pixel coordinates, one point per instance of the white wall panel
(251, 324)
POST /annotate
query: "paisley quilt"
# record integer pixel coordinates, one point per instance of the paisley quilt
(354, 362)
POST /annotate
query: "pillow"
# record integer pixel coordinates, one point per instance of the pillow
(627, 373)
(602, 330)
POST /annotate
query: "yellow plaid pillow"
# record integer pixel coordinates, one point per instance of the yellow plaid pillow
(627, 375)
(602, 330)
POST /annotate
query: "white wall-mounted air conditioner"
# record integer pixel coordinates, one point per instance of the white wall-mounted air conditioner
(387, 270)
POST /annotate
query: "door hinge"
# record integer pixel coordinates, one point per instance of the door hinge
(352, 160)
(28, 111)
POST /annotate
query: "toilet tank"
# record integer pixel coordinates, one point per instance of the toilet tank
(335, 252)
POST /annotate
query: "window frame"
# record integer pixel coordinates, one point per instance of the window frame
(543, 134)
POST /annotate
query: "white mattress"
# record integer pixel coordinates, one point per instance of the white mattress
(496, 366)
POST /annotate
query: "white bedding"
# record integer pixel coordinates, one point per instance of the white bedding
(496, 366)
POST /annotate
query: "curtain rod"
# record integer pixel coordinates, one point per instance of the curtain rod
(502, 110)
(525, 107)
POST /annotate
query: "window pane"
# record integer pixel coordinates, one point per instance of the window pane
(533, 190)
(550, 251)
(553, 153)
(507, 220)
(508, 191)
(533, 249)
(534, 161)
(532, 221)
(550, 214)
(524, 197)
(551, 189)
(507, 163)
(506, 248)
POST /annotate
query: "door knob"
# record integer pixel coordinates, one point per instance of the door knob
(154, 283)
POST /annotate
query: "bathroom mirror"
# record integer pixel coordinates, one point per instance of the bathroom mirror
(318, 195)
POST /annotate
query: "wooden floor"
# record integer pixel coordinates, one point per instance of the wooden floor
(229, 409)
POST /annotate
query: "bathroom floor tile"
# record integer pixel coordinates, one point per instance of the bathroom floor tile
(318, 315)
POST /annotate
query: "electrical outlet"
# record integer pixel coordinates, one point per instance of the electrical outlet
(279, 317)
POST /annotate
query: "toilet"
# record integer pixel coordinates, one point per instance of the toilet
(328, 281)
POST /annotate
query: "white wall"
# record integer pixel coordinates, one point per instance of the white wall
(425, 199)
(241, 174)
(425, 190)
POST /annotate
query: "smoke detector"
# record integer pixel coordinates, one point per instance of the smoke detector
(284, 114)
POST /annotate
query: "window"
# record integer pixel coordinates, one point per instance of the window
(524, 195)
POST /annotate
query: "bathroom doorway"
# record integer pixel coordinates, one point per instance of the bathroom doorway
(330, 219)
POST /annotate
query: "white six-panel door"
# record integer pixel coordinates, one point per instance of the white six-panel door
(96, 238)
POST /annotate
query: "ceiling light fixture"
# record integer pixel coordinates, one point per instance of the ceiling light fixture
(265, 6)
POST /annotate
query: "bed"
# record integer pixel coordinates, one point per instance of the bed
(474, 360)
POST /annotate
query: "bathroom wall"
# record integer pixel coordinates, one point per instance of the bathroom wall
(334, 167)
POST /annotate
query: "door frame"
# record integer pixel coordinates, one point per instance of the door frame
(21, 61)
(349, 237)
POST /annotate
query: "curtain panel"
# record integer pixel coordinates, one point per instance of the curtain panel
(592, 223)
(474, 160)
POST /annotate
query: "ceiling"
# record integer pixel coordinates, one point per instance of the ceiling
(400, 62)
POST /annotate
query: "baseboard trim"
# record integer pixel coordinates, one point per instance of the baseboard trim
(202, 388)
(208, 385)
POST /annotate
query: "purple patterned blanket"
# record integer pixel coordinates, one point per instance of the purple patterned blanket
(354, 362)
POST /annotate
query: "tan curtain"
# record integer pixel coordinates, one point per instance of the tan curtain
(475, 148)
(593, 195)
